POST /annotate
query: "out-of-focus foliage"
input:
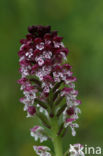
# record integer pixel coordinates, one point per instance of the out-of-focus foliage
(81, 24)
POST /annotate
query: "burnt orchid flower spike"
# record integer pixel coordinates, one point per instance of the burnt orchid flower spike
(49, 89)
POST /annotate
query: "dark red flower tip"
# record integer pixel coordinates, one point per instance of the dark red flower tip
(71, 78)
(22, 41)
(34, 68)
(29, 88)
(54, 33)
(67, 66)
(58, 58)
(48, 62)
(57, 68)
(47, 36)
(31, 110)
(57, 38)
(57, 51)
(48, 78)
(36, 52)
(21, 53)
(48, 46)
(32, 29)
(37, 40)
(70, 111)
(47, 29)
(24, 62)
(26, 47)
(29, 36)
(22, 80)
(67, 90)
(65, 50)
(39, 31)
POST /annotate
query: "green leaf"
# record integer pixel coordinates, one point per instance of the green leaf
(38, 87)
(61, 128)
(64, 132)
(56, 95)
(66, 153)
(59, 100)
(35, 81)
(61, 110)
(41, 103)
(50, 98)
(44, 119)
(57, 86)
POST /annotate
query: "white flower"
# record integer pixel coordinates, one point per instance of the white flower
(64, 56)
(40, 46)
(29, 54)
(69, 123)
(47, 54)
(21, 47)
(56, 77)
(42, 110)
(42, 150)
(37, 133)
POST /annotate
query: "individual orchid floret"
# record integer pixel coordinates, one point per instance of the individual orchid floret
(38, 133)
(69, 123)
(42, 150)
(31, 111)
(76, 150)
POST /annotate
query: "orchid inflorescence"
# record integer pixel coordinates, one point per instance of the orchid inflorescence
(48, 87)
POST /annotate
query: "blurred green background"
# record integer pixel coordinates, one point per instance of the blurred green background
(80, 22)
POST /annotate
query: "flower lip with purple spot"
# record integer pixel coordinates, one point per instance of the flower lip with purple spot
(35, 128)
(28, 88)
(67, 90)
(78, 101)
(70, 120)
(22, 80)
(48, 78)
(71, 78)
(31, 110)
(57, 68)
(70, 111)
(67, 66)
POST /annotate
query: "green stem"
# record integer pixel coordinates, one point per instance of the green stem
(66, 153)
(55, 138)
